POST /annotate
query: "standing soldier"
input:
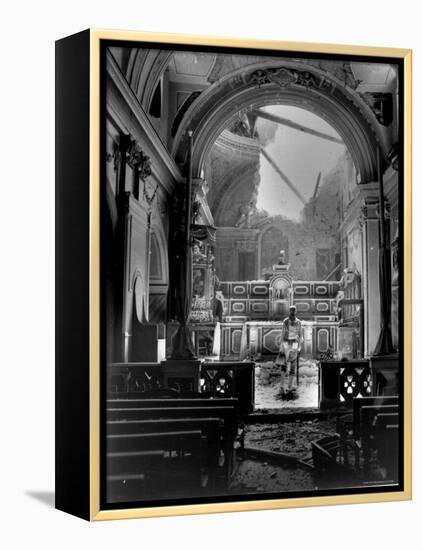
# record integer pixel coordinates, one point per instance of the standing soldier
(290, 346)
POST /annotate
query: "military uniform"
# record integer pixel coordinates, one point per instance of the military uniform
(291, 343)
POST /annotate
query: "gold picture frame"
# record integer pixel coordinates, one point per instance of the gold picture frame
(91, 506)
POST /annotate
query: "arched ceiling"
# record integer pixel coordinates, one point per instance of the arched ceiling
(291, 83)
(222, 85)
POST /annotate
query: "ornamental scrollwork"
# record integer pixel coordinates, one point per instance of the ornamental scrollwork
(381, 104)
(114, 156)
(149, 194)
(136, 158)
(285, 76)
(128, 148)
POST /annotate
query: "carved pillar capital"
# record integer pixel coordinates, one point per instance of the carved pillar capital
(137, 159)
(114, 155)
(387, 210)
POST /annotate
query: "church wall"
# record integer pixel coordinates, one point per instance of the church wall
(302, 247)
(138, 215)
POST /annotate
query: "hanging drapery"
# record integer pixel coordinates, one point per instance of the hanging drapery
(181, 269)
(216, 345)
(182, 341)
(384, 345)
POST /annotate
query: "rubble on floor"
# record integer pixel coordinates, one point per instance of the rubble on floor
(291, 438)
(255, 476)
(267, 386)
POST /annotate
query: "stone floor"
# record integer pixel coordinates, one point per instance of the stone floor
(267, 386)
(278, 459)
(258, 476)
(291, 438)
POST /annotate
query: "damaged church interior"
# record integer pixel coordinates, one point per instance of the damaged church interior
(244, 195)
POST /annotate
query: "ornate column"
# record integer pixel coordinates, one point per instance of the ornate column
(370, 275)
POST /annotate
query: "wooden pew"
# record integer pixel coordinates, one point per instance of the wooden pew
(120, 465)
(359, 402)
(325, 452)
(386, 441)
(172, 402)
(183, 443)
(207, 425)
(349, 426)
(211, 429)
(368, 416)
(145, 464)
(129, 475)
(179, 441)
(386, 418)
(228, 415)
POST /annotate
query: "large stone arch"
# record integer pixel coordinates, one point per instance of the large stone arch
(286, 83)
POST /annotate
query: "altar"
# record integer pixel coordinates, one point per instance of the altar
(254, 339)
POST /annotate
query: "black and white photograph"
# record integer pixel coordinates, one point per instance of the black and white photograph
(251, 274)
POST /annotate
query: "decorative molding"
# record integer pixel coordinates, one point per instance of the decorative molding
(149, 195)
(286, 76)
(114, 156)
(295, 84)
(182, 110)
(381, 104)
(137, 159)
(144, 127)
(246, 246)
(394, 157)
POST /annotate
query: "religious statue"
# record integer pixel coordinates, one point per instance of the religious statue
(245, 210)
(197, 255)
(198, 283)
(349, 275)
(282, 258)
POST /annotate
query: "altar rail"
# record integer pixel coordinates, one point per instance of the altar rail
(342, 381)
(217, 379)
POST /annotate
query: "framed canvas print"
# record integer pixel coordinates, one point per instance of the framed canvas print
(233, 274)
